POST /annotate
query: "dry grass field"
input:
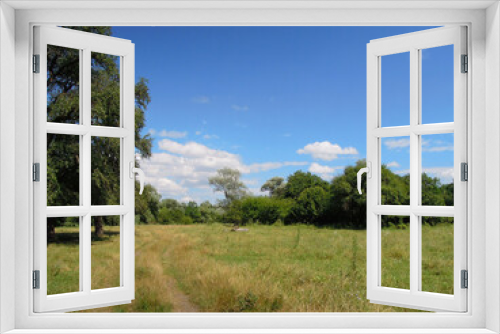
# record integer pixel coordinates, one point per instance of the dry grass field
(207, 268)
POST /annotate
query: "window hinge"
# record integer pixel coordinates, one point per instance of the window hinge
(465, 64)
(36, 172)
(36, 279)
(36, 63)
(465, 279)
(464, 171)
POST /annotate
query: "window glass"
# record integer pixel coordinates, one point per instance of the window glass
(63, 85)
(437, 84)
(395, 89)
(63, 255)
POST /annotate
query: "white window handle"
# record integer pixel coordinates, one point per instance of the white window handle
(368, 171)
(134, 170)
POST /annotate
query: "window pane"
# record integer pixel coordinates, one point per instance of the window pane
(395, 89)
(63, 255)
(63, 85)
(105, 171)
(437, 169)
(395, 264)
(437, 254)
(395, 171)
(105, 89)
(105, 252)
(63, 170)
(437, 84)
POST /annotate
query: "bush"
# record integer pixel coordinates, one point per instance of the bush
(264, 210)
(233, 214)
(310, 207)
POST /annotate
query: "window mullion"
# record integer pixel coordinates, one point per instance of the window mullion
(85, 264)
(414, 171)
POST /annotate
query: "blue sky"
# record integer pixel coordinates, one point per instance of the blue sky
(271, 100)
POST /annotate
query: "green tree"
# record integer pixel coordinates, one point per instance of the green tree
(208, 213)
(347, 207)
(300, 181)
(311, 206)
(63, 107)
(275, 186)
(228, 181)
(193, 211)
(265, 210)
(147, 205)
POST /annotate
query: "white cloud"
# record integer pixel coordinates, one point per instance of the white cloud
(239, 108)
(201, 99)
(394, 164)
(166, 186)
(173, 134)
(320, 169)
(186, 199)
(445, 174)
(207, 136)
(397, 143)
(326, 150)
(325, 172)
(438, 149)
(198, 133)
(182, 169)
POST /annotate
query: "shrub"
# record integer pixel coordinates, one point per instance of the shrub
(264, 210)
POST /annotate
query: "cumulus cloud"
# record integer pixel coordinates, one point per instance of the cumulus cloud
(180, 168)
(325, 172)
(397, 143)
(394, 164)
(438, 148)
(166, 186)
(445, 174)
(172, 134)
(239, 108)
(326, 150)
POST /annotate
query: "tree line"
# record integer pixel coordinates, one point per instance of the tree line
(303, 198)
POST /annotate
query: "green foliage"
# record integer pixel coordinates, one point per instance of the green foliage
(275, 185)
(299, 181)
(310, 207)
(265, 210)
(233, 214)
(347, 207)
(228, 182)
(63, 102)
(395, 188)
(172, 212)
(147, 205)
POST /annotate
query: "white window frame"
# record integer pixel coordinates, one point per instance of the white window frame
(85, 43)
(414, 43)
(483, 21)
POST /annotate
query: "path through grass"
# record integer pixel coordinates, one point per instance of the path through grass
(267, 269)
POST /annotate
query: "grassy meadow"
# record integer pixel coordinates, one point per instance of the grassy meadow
(207, 268)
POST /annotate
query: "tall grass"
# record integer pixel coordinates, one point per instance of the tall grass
(267, 269)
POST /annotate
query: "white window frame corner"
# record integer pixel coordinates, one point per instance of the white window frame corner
(483, 21)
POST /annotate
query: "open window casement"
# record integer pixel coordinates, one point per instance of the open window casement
(78, 132)
(412, 138)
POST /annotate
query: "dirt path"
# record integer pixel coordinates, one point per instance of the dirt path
(180, 301)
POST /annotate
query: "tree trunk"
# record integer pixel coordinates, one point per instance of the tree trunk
(51, 231)
(99, 232)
